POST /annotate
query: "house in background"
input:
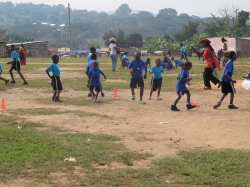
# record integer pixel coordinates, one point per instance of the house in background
(239, 45)
(3, 52)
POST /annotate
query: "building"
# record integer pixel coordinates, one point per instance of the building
(35, 48)
(240, 44)
(3, 52)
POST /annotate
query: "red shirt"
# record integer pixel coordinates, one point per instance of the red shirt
(206, 57)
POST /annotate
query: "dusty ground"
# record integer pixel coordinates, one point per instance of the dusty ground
(138, 125)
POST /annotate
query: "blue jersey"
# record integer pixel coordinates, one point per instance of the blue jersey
(137, 67)
(94, 76)
(54, 68)
(14, 55)
(1, 68)
(181, 85)
(182, 49)
(90, 65)
(179, 62)
(89, 58)
(125, 57)
(166, 60)
(229, 68)
(157, 71)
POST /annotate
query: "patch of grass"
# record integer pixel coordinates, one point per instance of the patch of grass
(35, 154)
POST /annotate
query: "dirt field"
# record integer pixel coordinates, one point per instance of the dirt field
(139, 125)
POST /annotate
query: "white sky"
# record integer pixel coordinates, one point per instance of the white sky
(201, 8)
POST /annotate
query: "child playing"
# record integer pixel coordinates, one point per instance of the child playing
(227, 85)
(136, 66)
(15, 65)
(90, 67)
(181, 87)
(177, 62)
(55, 78)
(94, 81)
(124, 61)
(92, 51)
(183, 52)
(156, 79)
(5, 80)
(147, 63)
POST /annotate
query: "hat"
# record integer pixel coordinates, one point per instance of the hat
(112, 39)
(204, 40)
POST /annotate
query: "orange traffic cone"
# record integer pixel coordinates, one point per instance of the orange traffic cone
(238, 67)
(115, 93)
(3, 106)
(107, 68)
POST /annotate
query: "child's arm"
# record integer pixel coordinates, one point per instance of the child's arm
(228, 77)
(145, 75)
(48, 74)
(103, 75)
(11, 62)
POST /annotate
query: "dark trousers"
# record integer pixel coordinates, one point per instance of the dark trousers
(208, 76)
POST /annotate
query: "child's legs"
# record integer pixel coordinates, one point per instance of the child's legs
(141, 92)
(178, 98)
(21, 75)
(140, 83)
(159, 91)
(58, 93)
(97, 92)
(188, 97)
(3, 79)
(231, 98)
(133, 84)
(11, 74)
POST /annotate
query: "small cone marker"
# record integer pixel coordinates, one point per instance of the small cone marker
(3, 106)
(238, 67)
(107, 68)
(115, 93)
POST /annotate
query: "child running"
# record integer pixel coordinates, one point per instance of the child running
(94, 81)
(136, 66)
(15, 65)
(124, 60)
(92, 51)
(181, 87)
(156, 79)
(5, 80)
(147, 63)
(227, 83)
(55, 78)
(177, 62)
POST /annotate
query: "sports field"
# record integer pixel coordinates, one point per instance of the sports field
(120, 142)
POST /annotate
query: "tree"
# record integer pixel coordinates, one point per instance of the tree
(123, 11)
(106, 37)
(167, 37)
(120, 39)
(134, 40)
(187, 31)
(242, 18)
(168, 11)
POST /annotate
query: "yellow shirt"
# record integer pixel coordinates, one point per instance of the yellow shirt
(224, 47)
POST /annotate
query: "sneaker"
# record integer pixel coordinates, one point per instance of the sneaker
(57, 99)
(159, 98)
(149, 98)
(96, 101)
(24, 83)
(142, 102)
(174, 108)
(133, 97)
(12, 82)
(102, 94)
(189, 106)
(89, 95)
(7, 82)
(232, 107)
(217, 105)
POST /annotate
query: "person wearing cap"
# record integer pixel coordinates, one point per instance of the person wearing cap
(224, 48)
(211, 63)
(112, 54)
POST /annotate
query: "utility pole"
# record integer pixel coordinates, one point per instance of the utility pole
(70, 39)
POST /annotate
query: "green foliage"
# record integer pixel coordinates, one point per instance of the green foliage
(187, 31)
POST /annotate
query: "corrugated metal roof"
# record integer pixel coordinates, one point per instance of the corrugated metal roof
(26, 43)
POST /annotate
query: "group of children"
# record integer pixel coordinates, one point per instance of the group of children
(136, 68)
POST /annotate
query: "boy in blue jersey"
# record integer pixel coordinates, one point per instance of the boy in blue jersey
(55, 78)
(147, 63)
(181, 87)
(227, 83)
(136, 66)
(15, 65)
(183, 52)
(124, 60)
(156, 79)
(177, 62)
(94, 81)
(92, 51)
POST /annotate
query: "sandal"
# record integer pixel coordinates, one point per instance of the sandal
(142, 102)
(159, 98)
(96, 101)
(149, 98)
(133, 97)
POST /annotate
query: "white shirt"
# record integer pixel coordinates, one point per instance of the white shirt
(112, 49)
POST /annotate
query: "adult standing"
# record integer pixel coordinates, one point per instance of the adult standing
(211, 63)
(113, 56)
(224, 48)
(22, 54)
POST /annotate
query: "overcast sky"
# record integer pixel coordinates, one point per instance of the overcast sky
(201, 8)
